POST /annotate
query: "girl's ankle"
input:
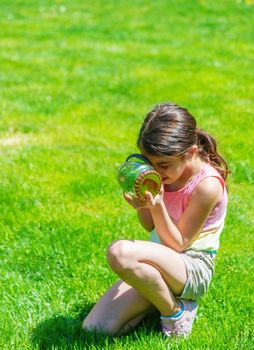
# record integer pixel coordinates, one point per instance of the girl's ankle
(176, 311)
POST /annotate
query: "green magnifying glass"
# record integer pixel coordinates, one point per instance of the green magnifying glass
(136, 176)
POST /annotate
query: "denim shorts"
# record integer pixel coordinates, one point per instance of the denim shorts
(200, 269)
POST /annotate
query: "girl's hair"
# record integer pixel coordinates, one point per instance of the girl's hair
(170, 130)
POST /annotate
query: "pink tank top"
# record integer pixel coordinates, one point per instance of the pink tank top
(176, 202)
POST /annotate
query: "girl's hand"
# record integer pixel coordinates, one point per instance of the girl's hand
(156, 200)
(136, 203)
(149, 202)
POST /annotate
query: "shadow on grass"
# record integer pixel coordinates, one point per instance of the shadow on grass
(63, 332)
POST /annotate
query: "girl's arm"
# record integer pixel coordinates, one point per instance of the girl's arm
(145, 218)
(143, 211)
(178, 237)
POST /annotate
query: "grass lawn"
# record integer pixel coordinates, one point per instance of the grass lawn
(76, 80)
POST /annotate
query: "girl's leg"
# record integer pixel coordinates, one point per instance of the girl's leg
(157, 272)
(119, 310)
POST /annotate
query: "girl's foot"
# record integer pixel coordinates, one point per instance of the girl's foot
(180, 326)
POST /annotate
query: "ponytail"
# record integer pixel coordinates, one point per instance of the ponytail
(207, 150)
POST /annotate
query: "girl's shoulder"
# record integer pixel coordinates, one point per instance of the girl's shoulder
(209, 189)
(206, 175)
(209, 186)
(211, 176)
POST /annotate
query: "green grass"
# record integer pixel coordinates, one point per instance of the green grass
(77, 78)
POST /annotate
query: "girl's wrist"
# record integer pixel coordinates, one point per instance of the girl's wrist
(141, 209)
(158, 207)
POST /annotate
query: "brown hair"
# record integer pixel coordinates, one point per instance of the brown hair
(170, 130)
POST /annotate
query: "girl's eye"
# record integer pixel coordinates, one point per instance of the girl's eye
(164, 166)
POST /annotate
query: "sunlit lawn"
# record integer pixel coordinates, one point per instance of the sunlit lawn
(77, 78)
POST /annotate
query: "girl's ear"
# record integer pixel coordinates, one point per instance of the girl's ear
(192, 151)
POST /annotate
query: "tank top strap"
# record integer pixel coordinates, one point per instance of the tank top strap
(207, 171)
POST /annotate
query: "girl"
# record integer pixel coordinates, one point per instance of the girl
(174, 269)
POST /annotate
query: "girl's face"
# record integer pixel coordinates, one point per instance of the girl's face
(170, 168)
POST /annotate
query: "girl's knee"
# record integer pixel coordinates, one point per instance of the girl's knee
(105, 327)
(119, 254)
